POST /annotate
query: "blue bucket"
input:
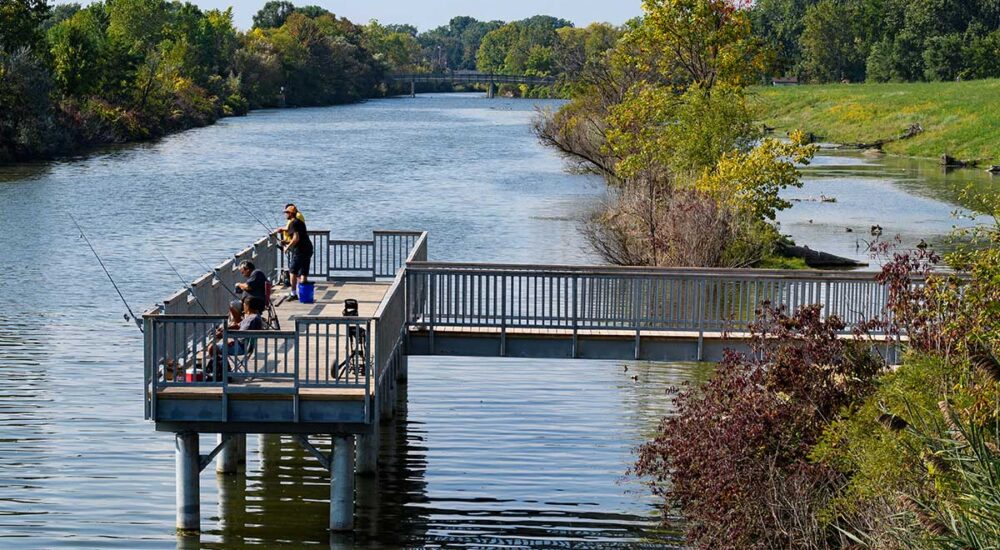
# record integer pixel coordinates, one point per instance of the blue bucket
(307, 293)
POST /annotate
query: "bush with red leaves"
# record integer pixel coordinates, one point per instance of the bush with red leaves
(733, 460)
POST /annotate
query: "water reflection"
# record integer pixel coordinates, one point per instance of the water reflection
(914, 199)
(519, 460)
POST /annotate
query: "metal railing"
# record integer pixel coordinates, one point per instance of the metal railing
(392, 248)
(319, 265)
(351, 257)
(632, 299)
(471, 77)
(334, 352)
(381, 257)
(259, 356)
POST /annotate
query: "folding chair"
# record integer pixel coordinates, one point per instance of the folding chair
(240, 364)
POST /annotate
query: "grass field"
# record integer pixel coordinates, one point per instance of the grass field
(961, 119)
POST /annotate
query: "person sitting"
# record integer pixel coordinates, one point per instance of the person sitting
(254, 287)
(252, 307)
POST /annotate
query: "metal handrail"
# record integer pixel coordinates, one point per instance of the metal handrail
(500, 268)
(550, 297)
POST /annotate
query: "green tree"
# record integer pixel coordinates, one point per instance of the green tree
(20, 23)
(77, 46)
(59, 13)
(943, 57)
(832, 49)
(273, 14)
(780, 23)
(492, 54)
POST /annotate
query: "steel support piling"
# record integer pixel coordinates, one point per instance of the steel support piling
(228, 461)
(188, 465)
(342, 483)
(367, 452)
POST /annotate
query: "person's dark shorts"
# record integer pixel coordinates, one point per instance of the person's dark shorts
(298, 262)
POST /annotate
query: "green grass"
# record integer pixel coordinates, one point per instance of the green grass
(781, 262)
(961, 119)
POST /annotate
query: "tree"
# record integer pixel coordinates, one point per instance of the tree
(313, 12)
(77, 47)
(59, 13)
(830, 42)
(492, 54)
(20, 22)
(273, 14)
(399, 51)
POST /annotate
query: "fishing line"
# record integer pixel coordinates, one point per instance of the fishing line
(215, 271)
(248, 211)
(183, 282)
(83, 234)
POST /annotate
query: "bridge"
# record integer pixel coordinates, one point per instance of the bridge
(491, 80)
(324, 373)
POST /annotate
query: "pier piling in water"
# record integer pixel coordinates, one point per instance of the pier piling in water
(188, 466)
(342, 483)
(228, 461)
(367, 452)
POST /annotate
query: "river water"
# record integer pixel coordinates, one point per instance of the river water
(486, 453)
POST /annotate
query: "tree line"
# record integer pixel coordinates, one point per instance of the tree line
(73, 77)
(880, 40)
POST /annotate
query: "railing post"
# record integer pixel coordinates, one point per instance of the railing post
(223, 370)
(635, 314)
(149, 368)
(432, 281)
(503, 316)
(701, 319)
(576, 322)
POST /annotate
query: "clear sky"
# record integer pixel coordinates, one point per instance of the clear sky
(427, 14)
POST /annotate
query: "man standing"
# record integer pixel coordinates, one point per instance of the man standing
(300, 250)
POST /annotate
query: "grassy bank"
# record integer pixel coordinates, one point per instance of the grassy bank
(961, 119)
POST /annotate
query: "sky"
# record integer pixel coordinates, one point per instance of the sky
(427, 14)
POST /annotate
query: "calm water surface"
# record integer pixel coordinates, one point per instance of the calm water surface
(526, 454)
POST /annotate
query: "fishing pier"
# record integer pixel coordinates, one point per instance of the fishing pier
(322, 373)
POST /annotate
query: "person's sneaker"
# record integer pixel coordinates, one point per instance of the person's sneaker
(292, 297)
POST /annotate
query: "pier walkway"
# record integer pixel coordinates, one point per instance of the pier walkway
(320, 372)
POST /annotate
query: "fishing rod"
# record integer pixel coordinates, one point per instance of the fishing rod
(250, 212)
(183, 282)
(215, 271)
(138, 323)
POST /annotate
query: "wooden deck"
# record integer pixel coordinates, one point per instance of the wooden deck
(330, 298)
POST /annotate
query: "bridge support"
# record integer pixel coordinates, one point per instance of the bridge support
(228, 461)
(367, 452)
(342, 483)
(491, 90)
(187, 463)
(413, 88)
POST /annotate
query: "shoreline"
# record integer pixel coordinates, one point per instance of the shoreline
(921, 120)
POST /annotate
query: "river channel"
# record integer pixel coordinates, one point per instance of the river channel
(486, 453)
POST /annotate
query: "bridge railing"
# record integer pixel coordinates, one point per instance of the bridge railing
(632, 299)
(380, 257)
(473, 77)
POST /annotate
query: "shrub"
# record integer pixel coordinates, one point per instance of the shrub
(733, 460)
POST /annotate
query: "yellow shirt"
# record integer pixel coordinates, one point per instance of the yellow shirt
(288, 226)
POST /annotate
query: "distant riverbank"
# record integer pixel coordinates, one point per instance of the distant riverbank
(959, 119)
